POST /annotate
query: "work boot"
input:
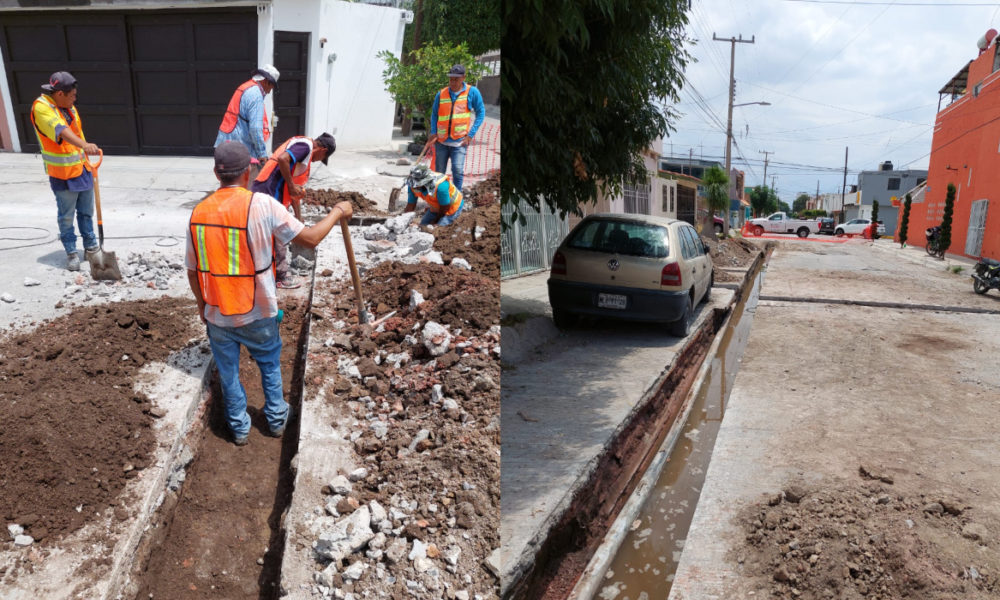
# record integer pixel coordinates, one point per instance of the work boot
(288, 283)
(280, 430)
(241, 441)
(72, 261)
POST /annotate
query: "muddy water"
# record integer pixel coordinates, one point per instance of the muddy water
(647, 560)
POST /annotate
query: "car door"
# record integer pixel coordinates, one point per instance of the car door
(695, 260)
(776, 224)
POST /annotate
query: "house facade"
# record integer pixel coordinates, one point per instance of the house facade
(887, 186)
(155, 76)
(965, 152)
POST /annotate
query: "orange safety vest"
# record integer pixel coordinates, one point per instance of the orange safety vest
(62, 160)
(431, 199)
(453, 117)
(233, 111)
(297, 178)
(226, 269)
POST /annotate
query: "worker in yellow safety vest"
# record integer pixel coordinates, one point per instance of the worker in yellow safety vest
(246, 119)
(60, 134)
(230, 246)
(452, 123)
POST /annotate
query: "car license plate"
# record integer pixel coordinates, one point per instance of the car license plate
(616, 301)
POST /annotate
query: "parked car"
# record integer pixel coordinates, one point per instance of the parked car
(779, 222)
(857, 227)
(827, 225)
(635, 267)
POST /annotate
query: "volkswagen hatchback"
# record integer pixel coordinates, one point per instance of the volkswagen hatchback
(635, 267)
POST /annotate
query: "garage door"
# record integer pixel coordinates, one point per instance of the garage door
(150, 82)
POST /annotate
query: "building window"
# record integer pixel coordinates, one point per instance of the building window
(665, 197)
(894, 183)
(637, 199)
(672, 190)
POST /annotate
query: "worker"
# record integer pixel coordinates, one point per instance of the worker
(60, 134)
(283, 177)
(246, 117)
(444, 200)
(451, 116)
(229, 258)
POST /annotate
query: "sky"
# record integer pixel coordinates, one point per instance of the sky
(838, 74)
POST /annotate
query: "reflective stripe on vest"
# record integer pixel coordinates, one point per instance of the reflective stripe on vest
(62, 160)
(233, 111)
(453, 117)
(431, 199)
(226, 269)
(298, 179)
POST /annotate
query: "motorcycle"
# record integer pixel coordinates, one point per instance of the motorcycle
(986, 276)
(933, 235)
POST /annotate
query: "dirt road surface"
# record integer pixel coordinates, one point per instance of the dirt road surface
(858, 454)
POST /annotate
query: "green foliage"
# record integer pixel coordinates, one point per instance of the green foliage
(474, 22)
(763, 200)
(956, 269)
(875, 211)
(904, 224)
(415, 85)
(783, 207)
(800, 203)
(716, 189)
(813, 213)
(949, 208)
(589, 85)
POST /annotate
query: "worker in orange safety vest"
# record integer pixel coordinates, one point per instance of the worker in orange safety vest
(444, 200)
(230, 240)
(453, 125)
(246, 119)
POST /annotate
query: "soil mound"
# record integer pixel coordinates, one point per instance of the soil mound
(867, 541)
(729, 254)
(73, 430)
(475, 237)
(485, 192)
(330, 198)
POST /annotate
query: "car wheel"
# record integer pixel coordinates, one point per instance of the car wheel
(682, 326)
(718, 229)
(840, 233)
(563, 319)
(708, 291)
(803, 232)
(758, 231)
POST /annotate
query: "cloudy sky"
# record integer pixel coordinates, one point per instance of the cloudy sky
(838, 73)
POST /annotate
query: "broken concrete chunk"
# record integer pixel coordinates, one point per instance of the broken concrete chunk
(325, 577)
(347, 368)
(357, 474)
(347, 536)
(396, 551)
(355, 571)
(422, 435)
(399, 223)
(378, 515)
(433, 257)
(417, 241)
(416, 299)
(419, 550)
(14, 530)
(436, 394)
(24, 540)
(436, 338)
(29, 282)
(7, 297)
(461, 263)
(449, 404)
(341, 485)
(493, 563)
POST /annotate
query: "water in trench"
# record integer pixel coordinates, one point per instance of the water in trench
(646, 562)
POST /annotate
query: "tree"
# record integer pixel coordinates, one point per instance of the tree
(763, 200)
(717, 194)
(874, 211)
(949, 208)
(414, 85)
(474, 22)
(904, 223)
(800, 203)
(589, 85)
(783, 207)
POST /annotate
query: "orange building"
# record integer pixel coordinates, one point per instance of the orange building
(965, 151)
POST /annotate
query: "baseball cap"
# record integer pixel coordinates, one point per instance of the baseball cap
(231, 158)
(457, 71)
(327, 141)
(60, 81)
(269, 73)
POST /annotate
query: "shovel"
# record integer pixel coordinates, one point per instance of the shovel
(103, 265)
(394, 194)
(363, 316)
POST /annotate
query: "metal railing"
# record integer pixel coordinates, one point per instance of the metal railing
(529, 248)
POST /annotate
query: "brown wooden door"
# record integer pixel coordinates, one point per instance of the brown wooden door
(291, 57)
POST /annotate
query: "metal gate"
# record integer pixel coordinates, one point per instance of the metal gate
(685, 204)
(529, 248)
(977, 228)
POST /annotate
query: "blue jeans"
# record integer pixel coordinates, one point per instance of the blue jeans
(261, 338)
(457, 155)
(429, 216)
(82, 205)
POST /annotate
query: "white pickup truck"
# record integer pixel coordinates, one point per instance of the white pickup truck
(780, 223)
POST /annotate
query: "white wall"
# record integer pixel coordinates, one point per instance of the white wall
(346, 96)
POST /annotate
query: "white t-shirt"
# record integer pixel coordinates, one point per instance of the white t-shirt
(267, 218)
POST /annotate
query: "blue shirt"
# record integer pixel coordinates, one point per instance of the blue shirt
(249, 129)
(475, 103)
(443, 198)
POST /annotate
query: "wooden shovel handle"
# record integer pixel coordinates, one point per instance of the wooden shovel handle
(355, 277)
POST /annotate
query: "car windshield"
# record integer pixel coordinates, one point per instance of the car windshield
(621, 237)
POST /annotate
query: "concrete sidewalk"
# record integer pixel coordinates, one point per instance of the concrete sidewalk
(564, 398)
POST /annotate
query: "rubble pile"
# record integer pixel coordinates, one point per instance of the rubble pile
(329, 198)
(420, 518)
(485, 192)
(867, 541)
(474, 238)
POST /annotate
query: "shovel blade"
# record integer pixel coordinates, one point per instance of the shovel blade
(104, 266)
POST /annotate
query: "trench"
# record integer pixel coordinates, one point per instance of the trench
(648, 555)
(221, 534)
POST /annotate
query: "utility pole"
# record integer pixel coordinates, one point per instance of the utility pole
(843, 190)
(732, 91)
(817, 194)
(765, 153)
(690, 162)
(773, 177)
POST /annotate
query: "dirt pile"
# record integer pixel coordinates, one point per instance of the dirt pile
(424, 390)
(330, 198)
(732, 253)
(73, 431)
(485, 192)
(868, 540)
(475, 237)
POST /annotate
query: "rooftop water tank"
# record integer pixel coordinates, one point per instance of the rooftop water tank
(886, 166)
(984, 42)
